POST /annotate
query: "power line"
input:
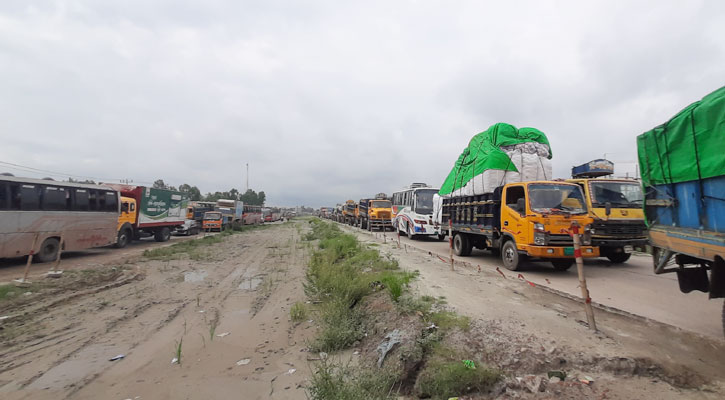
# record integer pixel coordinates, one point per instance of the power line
(55, 173)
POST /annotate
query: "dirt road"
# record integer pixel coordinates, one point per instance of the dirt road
(225, 313)
(631, 287)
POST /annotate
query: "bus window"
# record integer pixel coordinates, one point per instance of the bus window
(81, 200)
(4, 196)
(111, 202)
(29, 197)
(93, 200)
(54, 199)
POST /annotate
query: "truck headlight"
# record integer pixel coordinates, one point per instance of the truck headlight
(538, 227)
(587, 236)
(539, 238)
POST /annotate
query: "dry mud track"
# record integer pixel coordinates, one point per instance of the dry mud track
(526, 330)
(243, 286)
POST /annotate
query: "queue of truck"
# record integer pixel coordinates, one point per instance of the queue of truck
(43, 216)
(500, 196)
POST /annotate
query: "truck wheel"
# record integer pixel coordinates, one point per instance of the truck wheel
(48, 250)
(618, 258)
(461, 245)
(162, 235)
(123, 238)
(510, 256)
(562, 264)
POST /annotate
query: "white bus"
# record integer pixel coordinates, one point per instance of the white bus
(35, 214)
(413, 211)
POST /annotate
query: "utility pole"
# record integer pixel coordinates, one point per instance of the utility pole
(247, 176)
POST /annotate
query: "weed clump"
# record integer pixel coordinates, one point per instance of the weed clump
(298, 312)
(331, 381)
(444, 379)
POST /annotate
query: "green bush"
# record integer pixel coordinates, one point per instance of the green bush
(336, 382)
(298, 312)
(341, 326)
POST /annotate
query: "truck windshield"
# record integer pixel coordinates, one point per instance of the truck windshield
(215, 216)
(424, 201)
(551, 198)
(380, 204)
(618, 194)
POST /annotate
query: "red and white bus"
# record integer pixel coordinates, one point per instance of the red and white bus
(36, 215)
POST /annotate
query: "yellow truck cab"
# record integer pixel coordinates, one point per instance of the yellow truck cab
(375, 213)
(521, 220)
(616, 207)
(126, 221)
(349, 212)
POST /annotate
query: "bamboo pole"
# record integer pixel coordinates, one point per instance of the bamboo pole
(582, 280)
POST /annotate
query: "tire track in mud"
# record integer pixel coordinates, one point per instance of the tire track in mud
(63, 322)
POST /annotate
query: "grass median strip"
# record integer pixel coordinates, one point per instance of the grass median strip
(362, 299)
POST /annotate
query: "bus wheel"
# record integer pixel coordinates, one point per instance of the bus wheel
(407, 233)
(48, 250)
(510, 256)
(562, 264)
(162, 235)
(123, 237)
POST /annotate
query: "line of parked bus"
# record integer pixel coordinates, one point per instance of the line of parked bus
(41, 216)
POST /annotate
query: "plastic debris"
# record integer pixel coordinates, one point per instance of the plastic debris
(174, 360)
(4, 317)
(54, 274)
(291, 371)
(390, 340)
(431, 327)
(223, 334)
(587, 380)
(323, 355)
(118, 357)
(355, 352)
(244, 361)
(469, 364)
(559, 374)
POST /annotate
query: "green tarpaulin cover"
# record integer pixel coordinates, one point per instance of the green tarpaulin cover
(484, 153)
(688, 147)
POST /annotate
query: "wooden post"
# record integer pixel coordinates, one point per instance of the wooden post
(450, 241)
(30, 259)
(582, 281)
(57, 258)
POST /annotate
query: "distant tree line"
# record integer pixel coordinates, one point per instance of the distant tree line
(249, 197)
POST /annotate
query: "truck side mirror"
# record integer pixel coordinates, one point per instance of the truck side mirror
(607, 208)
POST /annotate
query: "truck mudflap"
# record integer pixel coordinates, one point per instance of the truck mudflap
(558, 251)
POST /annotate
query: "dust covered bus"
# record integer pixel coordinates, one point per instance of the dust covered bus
(37, 214)
(252, 215)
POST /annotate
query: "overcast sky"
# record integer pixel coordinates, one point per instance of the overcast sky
(330, 100)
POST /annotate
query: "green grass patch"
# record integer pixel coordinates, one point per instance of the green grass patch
(193, 246)
(447, 320)
(442, 379)
(332, 381)
(298, 312)
(342, 325)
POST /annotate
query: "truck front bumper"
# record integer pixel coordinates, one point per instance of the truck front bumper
(560, 251)
(604, 241)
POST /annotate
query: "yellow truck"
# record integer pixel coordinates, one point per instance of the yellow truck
(521, 220)
(375, 213)
(349, 212)
(616, 207)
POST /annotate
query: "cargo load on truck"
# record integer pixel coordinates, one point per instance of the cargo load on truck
(500, 155)
(683, 175)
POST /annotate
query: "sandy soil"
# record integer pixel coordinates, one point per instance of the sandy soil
(244, 287)
(530, 331)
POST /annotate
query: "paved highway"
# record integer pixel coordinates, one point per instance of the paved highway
(631, 287)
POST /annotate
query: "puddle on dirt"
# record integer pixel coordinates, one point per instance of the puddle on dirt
(251, 283)
(195, 276)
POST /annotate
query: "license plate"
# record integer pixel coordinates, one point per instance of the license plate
(568, 251)
(628, 249)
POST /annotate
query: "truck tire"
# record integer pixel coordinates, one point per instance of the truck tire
(162, 235)
(48, 250)
(510, 256)
(618, 258)
(562, 264)
(124, 236)
(462, 245)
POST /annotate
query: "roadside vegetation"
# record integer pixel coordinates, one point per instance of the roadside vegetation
(362, 298)
(195, 249)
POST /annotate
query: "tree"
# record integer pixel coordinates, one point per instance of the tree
(192, 191)
(159, 184)
(261, 197)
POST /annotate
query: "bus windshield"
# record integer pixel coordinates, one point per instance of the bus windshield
(618, 194)
(424, 201)
(548, 198)
(380, 204)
